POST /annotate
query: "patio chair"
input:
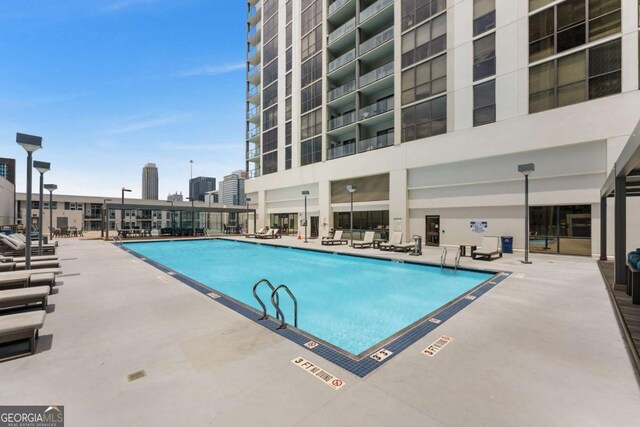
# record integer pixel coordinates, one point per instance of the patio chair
(22, 326)
(490, 247)
(24, 297)
(396, 239)
(337, 239)
(260, 232)
(366, 242)
(404, 247)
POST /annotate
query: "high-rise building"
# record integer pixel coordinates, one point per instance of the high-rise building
(8, 169)
(428, 107)
(150, 182)
(175, 197)
(232, 188)
(199, 186)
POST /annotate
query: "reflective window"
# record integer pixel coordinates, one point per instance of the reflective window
(484, 103)
(484, 16)
(425, 119)
(484, 57)
(424, 80)
(311, 151)
(426, 40)
(416, 11)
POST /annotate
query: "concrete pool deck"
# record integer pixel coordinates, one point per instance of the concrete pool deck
(541, 348)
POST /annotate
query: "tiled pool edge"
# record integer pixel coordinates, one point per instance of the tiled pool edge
(360, 368)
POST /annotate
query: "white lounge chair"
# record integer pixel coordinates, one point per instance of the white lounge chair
(366, 242)
(18, 247)
(33, 258)
(274, 233)
(396, 239)
(260, 232)
(22, 326)
(490, 247)
(337, 239)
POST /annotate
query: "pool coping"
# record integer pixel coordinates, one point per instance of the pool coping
(360, 365)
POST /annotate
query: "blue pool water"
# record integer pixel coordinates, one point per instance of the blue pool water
(350, 302)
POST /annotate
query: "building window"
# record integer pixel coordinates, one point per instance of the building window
(311, 70)
(564, 26)
(425, 119)
(537, 4)
(289, 59)
(270, 140)
(426, 40)
(484, 16)
(270, 118)
(288, 35)
(289, 7)
(311, 151)
(271, 27)
(287, 157)
(484, 103)
(287, 84)
(416, 11)
(287, 109)
(311, 124)
(270, 50)
(311, 97)
(311, 43)
(572, 79)
(270, 7)
(270, 95)
(270, 162)
(311, 16)
(424, 80)
(287, 133)
(4, 170)
(484, 57)
(270, 73)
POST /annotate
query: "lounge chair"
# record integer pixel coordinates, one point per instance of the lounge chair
(33, 258)
(22, 326)
(490, 247)
(274, 233)
(366, 242)
(24, 297)
(404, 247)
(396, 239)
(337, 239)
(36, 265)
(23, 279)
(260, 232)
(18, 247)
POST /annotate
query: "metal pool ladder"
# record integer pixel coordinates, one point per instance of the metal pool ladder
(457, 259)
(443, 257)
(264, 308)
(117, 240)
(276, 304)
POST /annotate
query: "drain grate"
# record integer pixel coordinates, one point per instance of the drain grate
(136, 375)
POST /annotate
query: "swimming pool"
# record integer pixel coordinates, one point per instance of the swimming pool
(352, 303)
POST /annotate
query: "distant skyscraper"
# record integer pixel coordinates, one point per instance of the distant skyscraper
(150, 182)
(232, 188)
(175, 197)
(199, 186)
(8, 169)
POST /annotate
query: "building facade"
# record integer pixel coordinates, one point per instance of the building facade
(175, 197)
(232, 188)
(7, 191)
(199, 186)
(428, 107)
(150, 182)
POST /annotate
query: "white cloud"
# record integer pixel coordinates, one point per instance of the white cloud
(180, 146)
(213, 70)
(124, 4)
(146, 122)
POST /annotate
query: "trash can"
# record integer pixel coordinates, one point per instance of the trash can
(507, 244)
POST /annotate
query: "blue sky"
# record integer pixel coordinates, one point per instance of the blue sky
(113, 84)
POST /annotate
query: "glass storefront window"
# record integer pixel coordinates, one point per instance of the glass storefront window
(560, 229)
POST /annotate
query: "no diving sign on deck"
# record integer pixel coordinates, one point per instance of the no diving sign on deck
(321, 374)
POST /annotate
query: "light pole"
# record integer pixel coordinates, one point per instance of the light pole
(122, 210)
(30, 143)
(526, 169)
(191, 180)
(193, 217)
(50, 188)
(248, 199)
(41, 167)
(104, 216)
(351, 189)
(305, 193)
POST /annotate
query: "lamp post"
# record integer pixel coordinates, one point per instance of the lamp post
(104, 216)
(122, 210)
(41, 167)
(526, 170)
(30, 143)
(50, 188)
(191, 180)
(193, 216)
(248, 199)
(305, 193)
(351, 189)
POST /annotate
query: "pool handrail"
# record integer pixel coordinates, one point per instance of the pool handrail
(443, 257)
(457, 259)
(276, 303)
(264, 308)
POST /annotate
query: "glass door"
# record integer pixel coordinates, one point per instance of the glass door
(560, 229)
(433, 230)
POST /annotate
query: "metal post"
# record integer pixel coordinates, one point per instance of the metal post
(50, 216)
(620, 230)
(603, 229)
(305, 218)
(122, 211)
(526, 220)
(40, 213)
(351, 218)
(27, 255)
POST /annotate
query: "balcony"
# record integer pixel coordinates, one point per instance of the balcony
(342, 90)
(253, 173)
(252, 112)
(253, 35)
(343, 60)
(252, 71)
(254, 14)
(253, 91)
(376, 142)
(253, 55)
(341, 151)
(335, 6)
(342, 30)
(377, 108)
(253, 132)
(376, 41)
(374, 9)
(344, 120)
(253, 153)
(377, 74)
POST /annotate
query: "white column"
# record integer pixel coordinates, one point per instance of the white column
(398, 208)
(324, 206)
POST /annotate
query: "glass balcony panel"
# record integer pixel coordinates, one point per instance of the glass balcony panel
(253, 132)
(345, 119)
(254, 152)
(341, 151)
(376, 142)
(342, 30)
(376, 41)
(254, 173)
(342, 90)
(377, 74)
(333, 7)
(342, 60)
(377, 108)
(373, 9)
(253, 111)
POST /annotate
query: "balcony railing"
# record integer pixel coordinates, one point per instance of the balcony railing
(255, 9)
(377, 74)
(377, 108)
(253, 173)
(253, 50)
(343, 150)
(333, 7)
(376, 142)
(254, 152)
(253, 132)
(253, 30)
(253, 111)
(376, 41)
(253, 70)
(342, 60)
(342, 90)
(373, 9)
(343, 120)
(253, 91)
(342, 30)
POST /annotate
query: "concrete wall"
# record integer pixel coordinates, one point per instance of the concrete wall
(7, 202)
